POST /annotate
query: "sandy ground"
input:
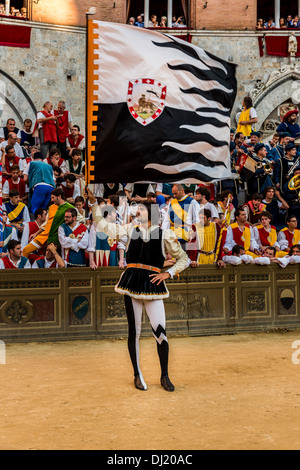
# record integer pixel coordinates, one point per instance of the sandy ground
(232, 392)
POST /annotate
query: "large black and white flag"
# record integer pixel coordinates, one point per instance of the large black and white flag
(158, 108)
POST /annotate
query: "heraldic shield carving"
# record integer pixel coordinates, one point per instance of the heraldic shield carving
(146, 99)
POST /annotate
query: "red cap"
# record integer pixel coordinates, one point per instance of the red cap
(289, 113)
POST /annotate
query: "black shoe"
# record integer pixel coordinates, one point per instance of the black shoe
(138, 383)
(167, 384)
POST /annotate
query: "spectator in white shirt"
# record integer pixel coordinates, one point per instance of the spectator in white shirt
(203, 197)
(10, 127)
(12, 139)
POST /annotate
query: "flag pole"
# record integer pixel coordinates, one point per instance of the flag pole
(89, 13)
(222, 229)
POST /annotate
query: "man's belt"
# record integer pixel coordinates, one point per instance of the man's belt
(143, 266)
(207, 252)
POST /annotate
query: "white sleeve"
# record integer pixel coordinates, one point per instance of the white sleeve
(112, 230)
(253, 243)
(26, 170)
(19, 151)
(2, 133)
(92, 239)
(129, 188)
(25, 236)
(193, 213)
(246, 259)
(84, 242)
(5, 189)
(283, 242)
(76, 190)
(261, 260)
(81, 146)
(150, 189)
(14, 235)
(229, 242)
(65, 167)
(173, 247)
(1, 264)
(294, 259)
(27, 265)
(229, 259)
(165, 224)
(159, 188)
(22, 164)
(283, 262)
(69, 117)
(65, 242)
(214, 211)
(26, 215)
(253, 113)
(256, 236)
(246, 209)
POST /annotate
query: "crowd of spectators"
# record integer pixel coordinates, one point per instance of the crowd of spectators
(289, 22)
(154, 23)
(48, 219)
(19, 13)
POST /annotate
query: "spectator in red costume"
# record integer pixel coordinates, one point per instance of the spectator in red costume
(47, 129)
(64, 127)
(14, 260)
(71, 188)
(54, 159)
(9, 159)
(52, 259)
(75, 140)
(15, 182)
(32, 229)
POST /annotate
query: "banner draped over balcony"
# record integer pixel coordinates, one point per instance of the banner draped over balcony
(15, 35)
(279, 45)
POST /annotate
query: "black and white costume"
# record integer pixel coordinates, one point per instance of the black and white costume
(145, 255)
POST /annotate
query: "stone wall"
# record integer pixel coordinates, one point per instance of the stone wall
(53, 68)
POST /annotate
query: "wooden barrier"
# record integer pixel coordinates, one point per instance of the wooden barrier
(68, 304)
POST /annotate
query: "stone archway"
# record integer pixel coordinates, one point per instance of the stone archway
(283, 86)
(14, 101)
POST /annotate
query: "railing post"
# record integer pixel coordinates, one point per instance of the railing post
(146, 13)
(277, 13)
(7, 7)
(170, 13)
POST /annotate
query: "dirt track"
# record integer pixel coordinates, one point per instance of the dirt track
(232, 392)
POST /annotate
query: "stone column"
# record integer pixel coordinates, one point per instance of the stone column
(146, 13)
(277, 12)
(170, 13)
(7, 7)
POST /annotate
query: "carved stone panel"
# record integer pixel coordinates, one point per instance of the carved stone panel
(256, 302)
(116, 307)
(16, 312)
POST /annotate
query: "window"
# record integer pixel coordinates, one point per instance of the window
(158, 8)
(17, 7)
(267, 9)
